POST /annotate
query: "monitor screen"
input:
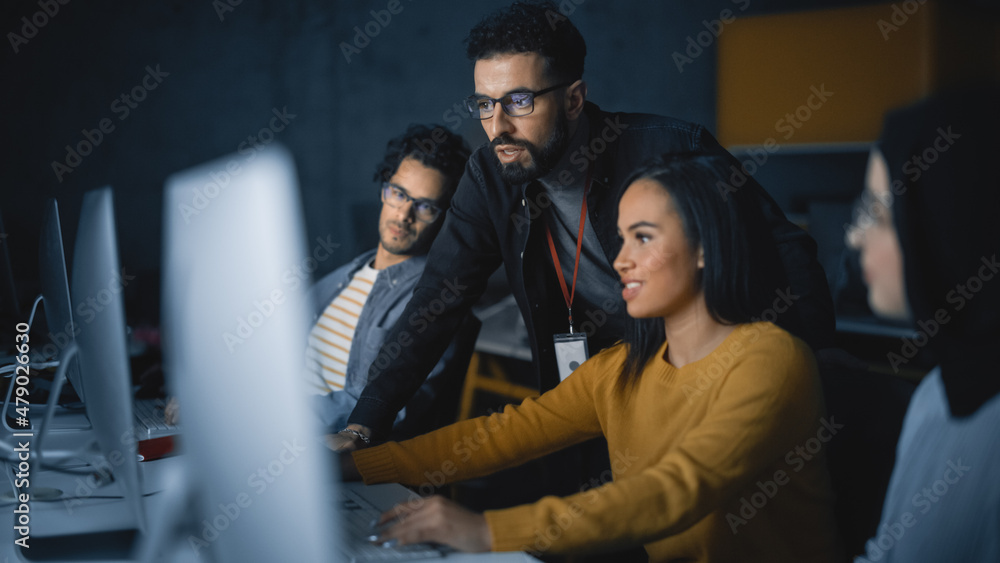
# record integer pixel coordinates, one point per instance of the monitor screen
(234, 335)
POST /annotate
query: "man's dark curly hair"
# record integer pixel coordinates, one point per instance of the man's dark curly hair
(433, 146)
(531, 27)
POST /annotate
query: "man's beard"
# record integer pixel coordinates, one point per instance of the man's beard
(410, 245)
(543, 159)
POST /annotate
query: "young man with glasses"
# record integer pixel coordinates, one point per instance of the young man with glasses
(358, 302)
(540, 200)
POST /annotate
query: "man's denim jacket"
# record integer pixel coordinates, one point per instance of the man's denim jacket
(389, 295)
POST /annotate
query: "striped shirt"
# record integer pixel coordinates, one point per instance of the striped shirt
(330, 340)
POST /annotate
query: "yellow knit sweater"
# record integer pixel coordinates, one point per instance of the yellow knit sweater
(721, 460)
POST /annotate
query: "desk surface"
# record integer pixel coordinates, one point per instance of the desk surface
(96, 511)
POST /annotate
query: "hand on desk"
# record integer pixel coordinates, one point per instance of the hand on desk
(438, 520)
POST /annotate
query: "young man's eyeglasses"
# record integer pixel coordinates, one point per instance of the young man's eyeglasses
(515, 104)
(424, 209)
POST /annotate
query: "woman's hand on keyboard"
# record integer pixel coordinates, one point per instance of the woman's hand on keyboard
(435, 520)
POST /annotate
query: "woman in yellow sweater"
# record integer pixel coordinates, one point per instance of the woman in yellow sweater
(713, 418)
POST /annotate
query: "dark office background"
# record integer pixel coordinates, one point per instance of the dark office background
(227, 68)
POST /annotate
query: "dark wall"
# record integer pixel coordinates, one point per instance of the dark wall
(220, 73)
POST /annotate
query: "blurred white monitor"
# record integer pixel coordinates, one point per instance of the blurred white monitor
(260, 481)
(103, 351)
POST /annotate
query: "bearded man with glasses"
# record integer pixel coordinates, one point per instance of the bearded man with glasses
(356, 304)
(540, 200)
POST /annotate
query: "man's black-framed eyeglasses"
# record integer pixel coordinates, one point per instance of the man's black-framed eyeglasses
(423, 209)
(515, 104)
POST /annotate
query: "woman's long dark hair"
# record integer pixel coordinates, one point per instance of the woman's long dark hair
(742, 269)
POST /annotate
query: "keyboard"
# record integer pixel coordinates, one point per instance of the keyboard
(356, 517)
(149, 419)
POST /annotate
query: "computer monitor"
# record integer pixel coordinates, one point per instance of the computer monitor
(109, 449)
(55, 302)
(55, 290)
(103, 351)
(234, 335)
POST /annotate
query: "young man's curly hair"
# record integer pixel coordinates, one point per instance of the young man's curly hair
(531, 27)
(435, 147)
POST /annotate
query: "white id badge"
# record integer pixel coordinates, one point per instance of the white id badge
(571, 351)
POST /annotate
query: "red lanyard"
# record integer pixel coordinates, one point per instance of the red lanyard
(568, 294)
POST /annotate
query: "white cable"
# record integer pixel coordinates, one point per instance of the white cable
(34, 307)
(37, 365)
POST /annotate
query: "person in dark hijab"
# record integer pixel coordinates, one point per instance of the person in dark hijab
(928, 230)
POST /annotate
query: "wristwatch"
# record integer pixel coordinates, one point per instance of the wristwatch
(364, 438)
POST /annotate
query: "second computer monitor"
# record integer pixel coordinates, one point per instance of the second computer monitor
(55, 290)
(103, 350)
